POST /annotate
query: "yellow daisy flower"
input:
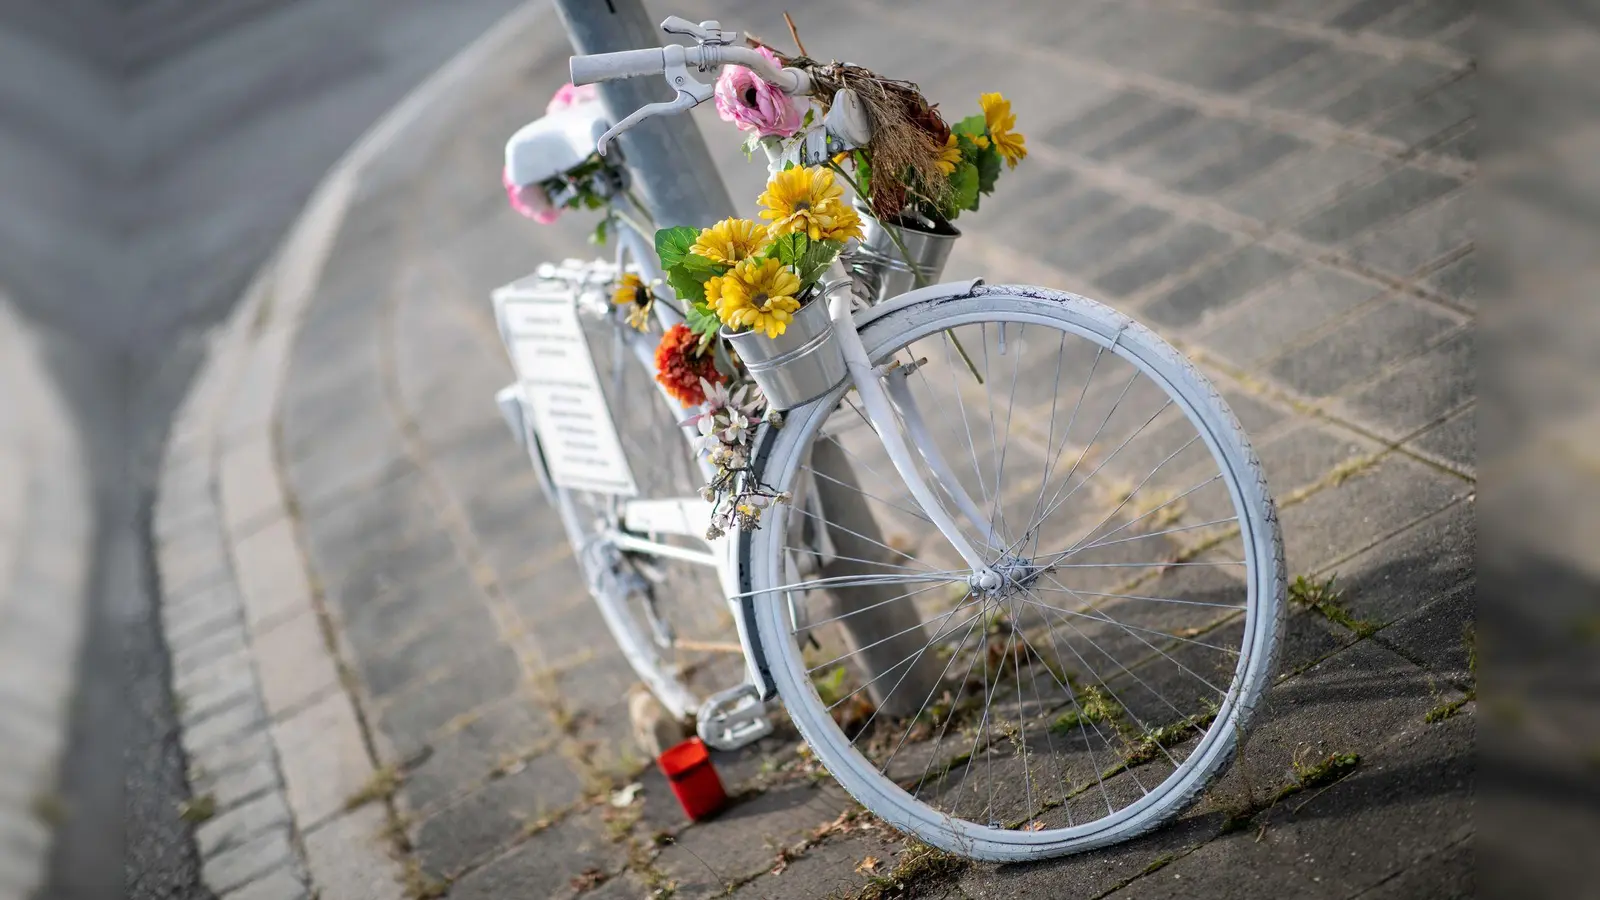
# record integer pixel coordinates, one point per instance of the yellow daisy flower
(730, 241)
(803, 200)
(756, 294)
(1001, 120)
(950, 156)
(633, 293)
(842, 223)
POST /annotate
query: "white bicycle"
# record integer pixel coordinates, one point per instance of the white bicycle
(1028, 589)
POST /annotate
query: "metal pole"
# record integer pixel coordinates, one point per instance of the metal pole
(669, 159)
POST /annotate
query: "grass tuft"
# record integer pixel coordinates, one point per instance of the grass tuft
(920, 867)
(382, 784)
(1321, 597)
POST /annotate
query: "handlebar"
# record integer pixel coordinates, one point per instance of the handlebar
(714, 49)
(622, 64)
(597, 67)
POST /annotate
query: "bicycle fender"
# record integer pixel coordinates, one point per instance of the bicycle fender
(948, 290)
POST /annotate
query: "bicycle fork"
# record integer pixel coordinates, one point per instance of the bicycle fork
(880, 413)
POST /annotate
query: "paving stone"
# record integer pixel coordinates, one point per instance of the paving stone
(493, 817)
(1163, 121)
(238, 825)
(1219, 287)
(324, 758)
(1441, 637)
(1410, 243)
(195, 560)
(1316, 76)
(253, 859)
(1346, 518)
(347, 459)
(1421, 121)
(1384, 333)
(1363, 13)
(348, 860)
(1175, 252)
(1384, 88)
(409, 719)
(1180, 154)
(1374, 203)
(1056, 215)
(1450, 874)
(214, 599)
(405, 604)
(1455, 440)
(271, 575)
(226, 725)
(1123, 106)
(232, 757)
(236, 785)
(1093, 247)
(467, 756)
(745, 838)
(1268, 321)
(546, 866)
(295, 664)
(389, 668)
(1422, 20)
(1251, 159)
(280, 884)
(830, 870)
(1422, 389)
(1279, 54)
(1299, 182)
(1458, 281)
(1462, 145)
(378, 523)
(1416, 567)
(249, 485)
(217, 688)
(1416, 790)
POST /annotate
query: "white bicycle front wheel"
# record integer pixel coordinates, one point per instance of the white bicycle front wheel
(1106, 682)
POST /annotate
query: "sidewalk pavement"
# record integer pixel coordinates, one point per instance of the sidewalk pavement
(392, 680)
(46, 538)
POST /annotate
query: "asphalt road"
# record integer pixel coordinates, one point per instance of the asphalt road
(151, 154)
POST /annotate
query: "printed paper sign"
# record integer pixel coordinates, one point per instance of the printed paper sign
(559, 381)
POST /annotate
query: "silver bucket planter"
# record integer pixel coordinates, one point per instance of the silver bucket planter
(797, 366)
(884, 271)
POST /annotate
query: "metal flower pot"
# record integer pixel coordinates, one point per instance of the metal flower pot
(885, 271)
(797, 366)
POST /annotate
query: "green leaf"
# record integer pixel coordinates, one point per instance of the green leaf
(789, 249)
(816, 259)
(701, 319)
(672, 244)
(964, 186)
(988, 162)
(599, 236)
(688, 288)
(863, 174)
(699, 266)
(973, 125)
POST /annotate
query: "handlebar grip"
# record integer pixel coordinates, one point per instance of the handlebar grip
(621, 64)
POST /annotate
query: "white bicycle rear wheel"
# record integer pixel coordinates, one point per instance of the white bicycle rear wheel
(1106, 683)
(668, 616)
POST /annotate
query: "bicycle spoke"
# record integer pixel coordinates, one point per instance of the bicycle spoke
(856, 612)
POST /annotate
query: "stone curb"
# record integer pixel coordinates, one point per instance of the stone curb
(46, 535)
(273, 735)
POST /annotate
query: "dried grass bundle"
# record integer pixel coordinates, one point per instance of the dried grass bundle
(908, 134)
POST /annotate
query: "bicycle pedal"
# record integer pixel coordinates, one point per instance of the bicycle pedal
(733, 718)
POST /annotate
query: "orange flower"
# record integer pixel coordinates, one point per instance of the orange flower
(680, 366)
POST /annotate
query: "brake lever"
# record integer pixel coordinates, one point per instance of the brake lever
(691, 93)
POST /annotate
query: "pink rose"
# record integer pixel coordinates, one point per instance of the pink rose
(571, 95)
(529, 199)
(753, 105)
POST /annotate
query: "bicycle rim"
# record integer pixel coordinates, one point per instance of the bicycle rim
(1095, 693)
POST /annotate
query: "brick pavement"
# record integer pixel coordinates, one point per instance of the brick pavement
(46, 542)
(1279, 187)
